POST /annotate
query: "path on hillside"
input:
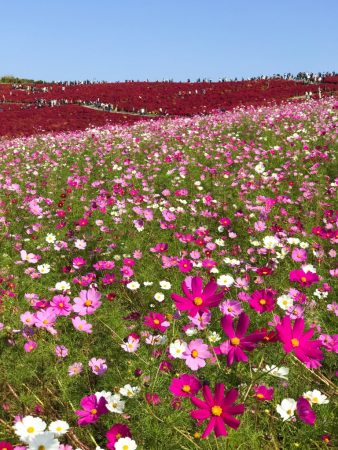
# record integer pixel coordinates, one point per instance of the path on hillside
(129, 113)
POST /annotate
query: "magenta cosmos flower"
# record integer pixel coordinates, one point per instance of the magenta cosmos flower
(296, 341)
(303, 278)
(219, 409)
(185, 386)
(198, 299)
(263, 393)
(157, 321)
(87, 302)
(91, 410)
(305, 412)
(238, 342)
(117, 431)
(263, 300)
(195, 354)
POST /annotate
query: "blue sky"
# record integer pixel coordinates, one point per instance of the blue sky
(161, 39)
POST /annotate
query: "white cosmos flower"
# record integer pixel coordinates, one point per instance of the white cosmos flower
(50, 238)
(259, 168)
(29, 427)
(44, 441)
(148, 283)
(80, 244)
(133, 285)
(165, 285)
(159, 297)
(270, 242)
(287, 408)
(177, 347)
(58, 427)
(213, 337)
(279, 372)
(316, 397)
(225, 280)
(308, 268)
(129, 391)
(105, 394)
(44, 268)
(115, 405)
(62, 286)
(125, 443)
(285, 302)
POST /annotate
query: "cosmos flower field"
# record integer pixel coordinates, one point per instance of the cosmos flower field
(172, 284)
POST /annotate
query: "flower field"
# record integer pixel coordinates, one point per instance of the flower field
(31, 108)
(170, 284)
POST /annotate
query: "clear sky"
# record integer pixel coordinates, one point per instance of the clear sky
(160, 39)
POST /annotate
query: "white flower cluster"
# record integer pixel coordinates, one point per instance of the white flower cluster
(32, 431)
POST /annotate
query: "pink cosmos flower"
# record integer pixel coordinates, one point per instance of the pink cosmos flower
(196, 298)
(201, 320)
(296, 341)
(219, 409)
(263, 393)
(185, 385)
(238, 342)
(45, 318)
(61, 351)
(132, 343)
(304, 278)
(299, 255)
(30, 346)
(185, 265)
(60, 305)
(115, 433)
(75, 369)
(98, 366)
(263, 300)
(195, 354)
(305, 412)
(29, 257)
(91, 410)
(27, 318)
(157, 321)
(88, 302)
(82, 325)
(231, 307)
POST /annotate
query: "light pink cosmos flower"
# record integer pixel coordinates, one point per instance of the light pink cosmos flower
(98, 366)
(45, 318)
(195, 354)
(82, 325)
(88, 302)
(29, 257)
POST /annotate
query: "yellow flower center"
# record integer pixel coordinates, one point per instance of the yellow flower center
(315, 400)
(41, 447)
(93, 411)
(125, 447)
(58, 428)
(88, 302)
(194, 353)
(295, 342)
(235, 341)
(259, 395)
(118, 436)
(289, 412)
(61, 305)
(262, 301)
(186, 388)
(45, 321)
(156, 321)
(80, 327)
(216, 410)
(285, 302)
(230, 309)
(198, 301)
(30, 430)
(303, 279)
